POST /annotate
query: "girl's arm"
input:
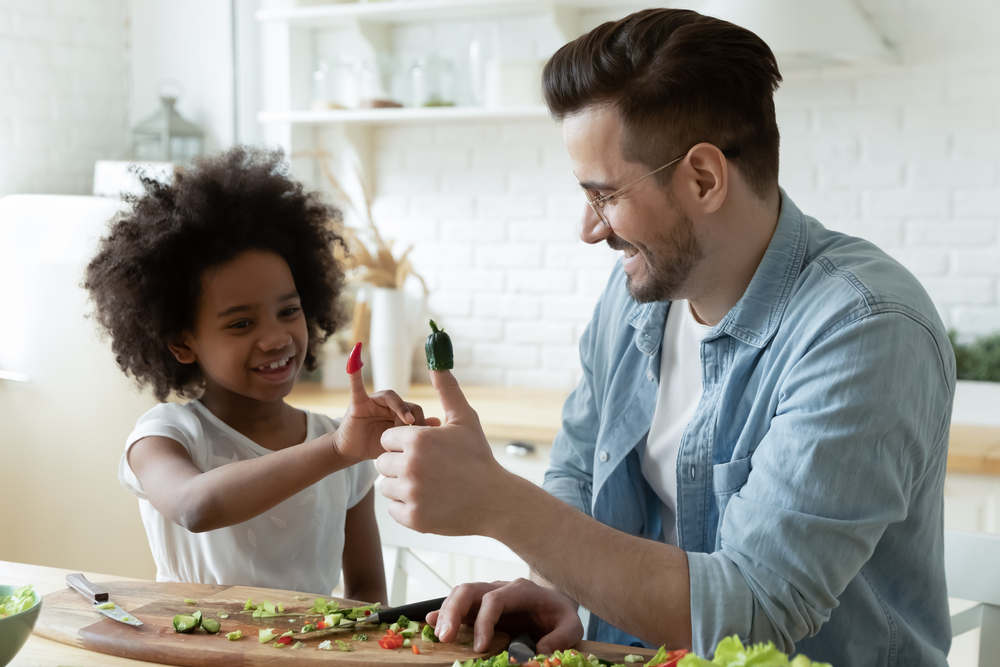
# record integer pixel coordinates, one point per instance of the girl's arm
(236, 492)
(229, 494)
(364, 573)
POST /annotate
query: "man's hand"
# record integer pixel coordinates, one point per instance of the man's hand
(524, 604)
(443, 480)
(359, 436)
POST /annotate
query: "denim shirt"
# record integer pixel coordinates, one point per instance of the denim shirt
(810, 479)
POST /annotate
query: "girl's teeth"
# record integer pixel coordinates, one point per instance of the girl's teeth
(276, 364)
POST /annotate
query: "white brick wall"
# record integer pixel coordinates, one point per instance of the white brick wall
(906, 155)
(63, 92)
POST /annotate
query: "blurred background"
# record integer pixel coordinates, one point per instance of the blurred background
(428, 114)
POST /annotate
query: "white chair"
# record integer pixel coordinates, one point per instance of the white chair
(972, 569)
(398, 544)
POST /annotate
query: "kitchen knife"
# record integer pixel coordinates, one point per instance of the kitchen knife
(415, 611)
(522, 648)
(100, 599)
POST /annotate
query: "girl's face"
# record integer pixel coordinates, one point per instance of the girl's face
(250, 334)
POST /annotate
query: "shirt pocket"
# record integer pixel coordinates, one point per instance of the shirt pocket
(727, 479)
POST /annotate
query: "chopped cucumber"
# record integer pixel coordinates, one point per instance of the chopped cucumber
(211, 626)
(233, 636)
(107, 605)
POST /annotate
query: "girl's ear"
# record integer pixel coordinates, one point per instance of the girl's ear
(183, 351)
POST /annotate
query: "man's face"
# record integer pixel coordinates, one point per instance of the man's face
(657, 238)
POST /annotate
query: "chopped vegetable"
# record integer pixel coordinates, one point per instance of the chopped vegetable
(391, 640)
(106, 605)
(233, 636)
(360, 638)
(407, 643)
(731, 653)
(223, 615)
(354, 362)
(344, 646)
(22, 599)
(266, 635)
(190, 601)
(325, 646)
(298, 645)
(665, 658)
(634, 658)
(416, 651)
(283, 641)
(211, 626)
(440, 355)
(186, 624)
(427, 634)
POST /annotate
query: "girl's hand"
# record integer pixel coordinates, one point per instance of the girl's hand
(359, 436)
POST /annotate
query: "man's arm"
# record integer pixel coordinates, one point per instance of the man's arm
(445, 480)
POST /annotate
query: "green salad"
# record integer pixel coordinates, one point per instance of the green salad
(731, 653)
(23, 598)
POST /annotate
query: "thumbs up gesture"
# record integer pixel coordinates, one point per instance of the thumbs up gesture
(442, 479)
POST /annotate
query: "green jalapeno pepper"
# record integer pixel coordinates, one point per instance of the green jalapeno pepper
(440, 356)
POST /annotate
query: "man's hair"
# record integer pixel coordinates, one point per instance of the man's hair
(146, 278)
(676, 79)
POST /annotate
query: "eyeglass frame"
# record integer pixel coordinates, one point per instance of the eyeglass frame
(598, 203)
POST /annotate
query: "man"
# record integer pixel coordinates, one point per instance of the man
(757, 445)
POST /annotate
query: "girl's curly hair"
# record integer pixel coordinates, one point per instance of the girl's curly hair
(145, 280)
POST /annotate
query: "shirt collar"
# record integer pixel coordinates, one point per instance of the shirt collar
(757, 314)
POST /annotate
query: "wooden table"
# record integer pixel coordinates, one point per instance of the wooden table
(510, 413)
(40, 652)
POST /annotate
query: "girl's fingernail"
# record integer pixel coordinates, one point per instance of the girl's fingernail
(441, 630)
(409, 417)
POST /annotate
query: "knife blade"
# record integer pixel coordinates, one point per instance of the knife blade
(414, 611)
(522, 648)
(100, 599)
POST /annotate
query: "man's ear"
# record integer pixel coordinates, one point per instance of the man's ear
(706, 190)
(182, 350)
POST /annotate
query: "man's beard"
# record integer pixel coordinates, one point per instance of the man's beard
(668, 261)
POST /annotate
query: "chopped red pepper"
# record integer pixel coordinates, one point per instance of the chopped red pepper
(368, 612)
(321, 625)
(354, 362)
(391, 640)
(284, 640)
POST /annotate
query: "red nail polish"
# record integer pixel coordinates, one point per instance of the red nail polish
(354, 363)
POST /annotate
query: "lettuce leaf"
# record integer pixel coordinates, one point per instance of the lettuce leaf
(730, 652)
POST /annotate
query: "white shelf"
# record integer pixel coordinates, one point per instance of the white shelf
(403, 11)
(404, 115)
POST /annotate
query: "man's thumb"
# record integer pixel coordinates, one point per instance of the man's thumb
(452, 399)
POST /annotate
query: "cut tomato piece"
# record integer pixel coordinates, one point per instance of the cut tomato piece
(673, 657)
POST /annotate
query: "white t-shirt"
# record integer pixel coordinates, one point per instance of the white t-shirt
(297, 545)
(679, 393)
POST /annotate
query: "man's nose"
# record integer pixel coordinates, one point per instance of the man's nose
(592, 229)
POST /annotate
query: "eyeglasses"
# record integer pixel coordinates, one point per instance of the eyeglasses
(597, 203)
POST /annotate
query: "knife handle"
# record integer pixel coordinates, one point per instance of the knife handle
(416, 611)
(86, 588)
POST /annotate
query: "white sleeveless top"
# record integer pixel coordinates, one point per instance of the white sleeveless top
(297, 545)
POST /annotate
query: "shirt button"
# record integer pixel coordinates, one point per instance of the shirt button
(603, 457)
(649, 375)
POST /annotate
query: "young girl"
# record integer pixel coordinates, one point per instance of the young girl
(220, 286)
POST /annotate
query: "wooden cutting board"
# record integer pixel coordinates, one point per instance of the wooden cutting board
(68, 618)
